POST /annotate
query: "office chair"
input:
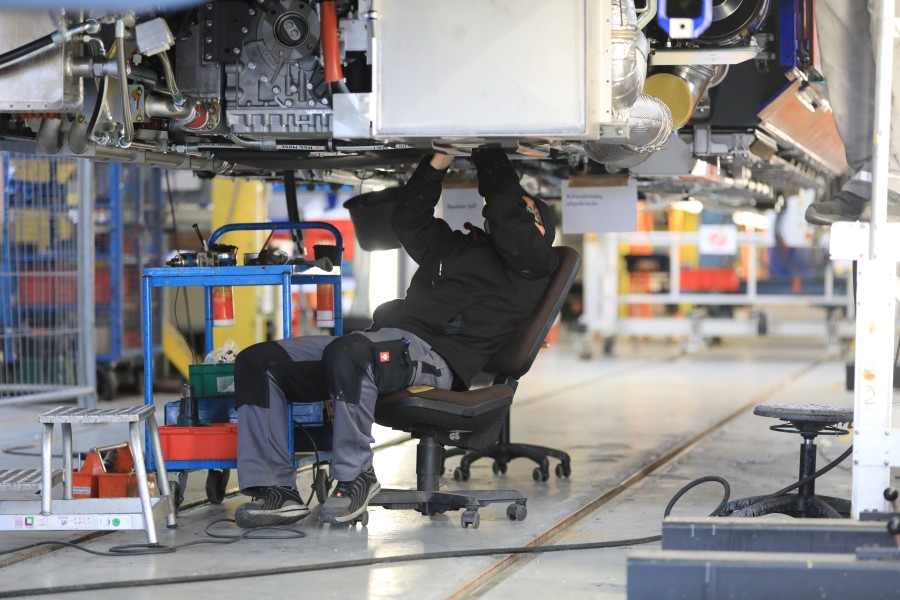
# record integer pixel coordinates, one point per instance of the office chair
(474, 419)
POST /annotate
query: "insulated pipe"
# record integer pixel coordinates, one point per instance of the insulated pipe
(628, 55)
(650, 125)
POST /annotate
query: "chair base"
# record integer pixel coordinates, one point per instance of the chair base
(504, 452)
(436, 502)
(794, 505)
(429, 500)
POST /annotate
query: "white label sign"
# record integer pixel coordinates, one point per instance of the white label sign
(461, 205)
(599, 208)
(718, 239)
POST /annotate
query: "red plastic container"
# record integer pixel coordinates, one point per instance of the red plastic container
(213, 442)
(709, 279)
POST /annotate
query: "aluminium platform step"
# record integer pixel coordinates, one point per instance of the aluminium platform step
(25, 480)
(71, 414)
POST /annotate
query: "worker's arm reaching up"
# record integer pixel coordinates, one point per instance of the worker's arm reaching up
(413, 218)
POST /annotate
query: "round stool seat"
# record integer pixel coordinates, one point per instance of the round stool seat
(807, 418)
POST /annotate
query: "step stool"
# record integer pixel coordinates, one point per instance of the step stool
(89, 513)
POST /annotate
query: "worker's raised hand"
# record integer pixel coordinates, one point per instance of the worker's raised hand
(495, 172)
(441, 162)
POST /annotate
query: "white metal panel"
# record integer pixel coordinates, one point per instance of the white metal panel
(39, 83)
(485, 68)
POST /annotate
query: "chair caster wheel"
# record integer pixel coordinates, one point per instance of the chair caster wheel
(460, 475)
(539, 474)
(516, 512)
(322, 485)
(499, 468)
(216, 482)
(177, 494)
(470, 517)
(563, 470)
(362, 519)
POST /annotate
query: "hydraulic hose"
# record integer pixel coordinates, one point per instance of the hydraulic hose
(42, 44)
(17, 54)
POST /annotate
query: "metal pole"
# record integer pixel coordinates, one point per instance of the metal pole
(87, 374)
(875, 304)
(884, 61)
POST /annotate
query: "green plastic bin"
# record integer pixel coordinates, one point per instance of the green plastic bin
(212, 380)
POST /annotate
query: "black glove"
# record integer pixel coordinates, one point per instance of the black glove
(495, 172)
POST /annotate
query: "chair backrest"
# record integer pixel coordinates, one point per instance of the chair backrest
(515, 357)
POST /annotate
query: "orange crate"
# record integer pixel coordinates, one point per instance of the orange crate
(709, 279)
(213, 442)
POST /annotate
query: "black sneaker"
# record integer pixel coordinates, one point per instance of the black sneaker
(847, 206)
(350, 498)
(843, 206)
(273, 505)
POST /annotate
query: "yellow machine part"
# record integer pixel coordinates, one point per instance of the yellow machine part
(675, 92)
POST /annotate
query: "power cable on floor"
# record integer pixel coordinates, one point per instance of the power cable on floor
(136, 549)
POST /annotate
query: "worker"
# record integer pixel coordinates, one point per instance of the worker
(469, 293)
(847, 50)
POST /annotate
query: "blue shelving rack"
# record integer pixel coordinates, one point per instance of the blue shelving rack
(210, 277)
(128, 207)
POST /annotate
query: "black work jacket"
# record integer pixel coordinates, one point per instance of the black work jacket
(468, 295)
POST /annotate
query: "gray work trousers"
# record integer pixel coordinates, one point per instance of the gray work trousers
(846, 32)
(263, 455)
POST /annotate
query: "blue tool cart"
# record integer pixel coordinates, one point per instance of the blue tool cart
(306, 414)
(128, 237)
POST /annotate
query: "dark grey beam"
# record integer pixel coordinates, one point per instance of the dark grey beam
(677, 575)
(773, 534)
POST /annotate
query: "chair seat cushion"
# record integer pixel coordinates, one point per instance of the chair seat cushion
(472, 410)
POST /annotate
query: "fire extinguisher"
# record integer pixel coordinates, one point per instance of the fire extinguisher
(324, 305)
(223, 306)
(325, 291)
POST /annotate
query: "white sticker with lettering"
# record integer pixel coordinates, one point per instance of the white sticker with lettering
(461, 205)
(599, 208)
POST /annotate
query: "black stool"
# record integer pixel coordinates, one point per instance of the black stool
(809, 420)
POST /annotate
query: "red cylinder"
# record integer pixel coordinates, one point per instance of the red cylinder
(330, 45)
(223, 306)
(325, 305)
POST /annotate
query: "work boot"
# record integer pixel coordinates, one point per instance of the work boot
(350, 498)
(847, 206)
(495, 172)
(271, 506)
